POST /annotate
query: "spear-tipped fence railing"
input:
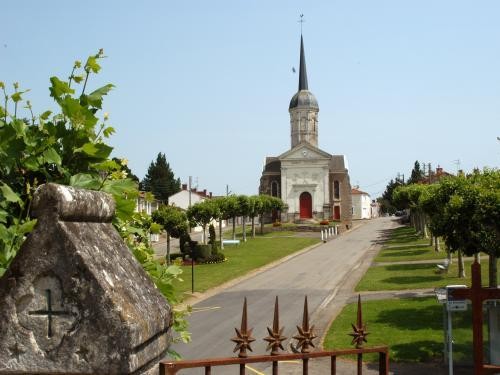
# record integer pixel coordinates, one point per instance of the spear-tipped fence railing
(302, 349)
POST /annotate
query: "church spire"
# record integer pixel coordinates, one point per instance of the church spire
(302, 69)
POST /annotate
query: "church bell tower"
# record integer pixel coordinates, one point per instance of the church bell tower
(303, 108)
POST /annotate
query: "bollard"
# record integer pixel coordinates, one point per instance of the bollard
(322, 235)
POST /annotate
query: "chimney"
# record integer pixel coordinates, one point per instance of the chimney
(204, 192)
(184, 187)
(210, 194)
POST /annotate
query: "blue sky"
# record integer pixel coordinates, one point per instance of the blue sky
(209, 83)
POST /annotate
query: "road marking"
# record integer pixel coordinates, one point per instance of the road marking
(294, 362)
(201, 309)
(254, 370)
(329, 298)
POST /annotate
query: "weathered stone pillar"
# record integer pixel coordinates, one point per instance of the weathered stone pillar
(75, 300)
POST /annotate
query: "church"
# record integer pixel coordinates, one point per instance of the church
(313, 184)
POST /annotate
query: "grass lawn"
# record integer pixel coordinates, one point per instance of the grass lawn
(404, 253)
(405, 235)
(412, 328)
(414, 276)
(405, 245)
(241, 259)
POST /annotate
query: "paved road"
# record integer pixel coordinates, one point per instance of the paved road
(318, 274)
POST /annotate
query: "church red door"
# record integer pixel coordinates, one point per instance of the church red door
(305, 200)
(336, 212)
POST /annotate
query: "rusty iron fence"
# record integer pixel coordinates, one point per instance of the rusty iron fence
(303, 348)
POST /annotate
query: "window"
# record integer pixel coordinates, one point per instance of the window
(274, 189)
(336, 189)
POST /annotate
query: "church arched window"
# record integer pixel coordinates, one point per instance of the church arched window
(274, 189)
(336, 189)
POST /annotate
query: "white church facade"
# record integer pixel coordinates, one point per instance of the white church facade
(313, 183)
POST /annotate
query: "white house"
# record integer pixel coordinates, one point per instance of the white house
(361, 205)
(184, 198)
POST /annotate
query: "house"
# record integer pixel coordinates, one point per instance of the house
(361, 204)
(185, 198)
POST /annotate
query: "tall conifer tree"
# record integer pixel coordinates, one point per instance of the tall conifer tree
(160, 179)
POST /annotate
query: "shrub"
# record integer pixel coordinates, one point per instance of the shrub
(277, 223)
(324, 222)
(211, 235)
(214, 258)
(202, 252)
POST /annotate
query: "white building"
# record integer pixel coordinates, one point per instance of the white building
(361, 205)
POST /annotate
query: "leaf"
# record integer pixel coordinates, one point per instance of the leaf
(16, 97)
(59, 88)
(107, 166)
(26, 227)
(78, 79)
(31, 163)
(45, 115)
(119, 187)
(92, 65)
(20, 127)
(51, 156)
(96, 150)
(95, 97)
(85, 181)
(124, 207)
(9, 194)
(3, 216)
(108, 131)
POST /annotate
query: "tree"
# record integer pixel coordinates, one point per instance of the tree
(202, 213)
(386, 201)
(416, 174)
(160, 179)
(174, 222)
(231, 210)
(254, 204)
(243, 211)
(465, 211)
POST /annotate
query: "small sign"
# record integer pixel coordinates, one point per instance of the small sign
(456, 305)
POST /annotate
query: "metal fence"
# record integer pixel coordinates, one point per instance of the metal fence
(303, 347)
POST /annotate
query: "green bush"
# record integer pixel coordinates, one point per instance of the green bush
(214, 258)
(211, 235)
(202, 252)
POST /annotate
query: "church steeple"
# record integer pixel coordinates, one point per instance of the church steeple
(302, 69)
(303, 108)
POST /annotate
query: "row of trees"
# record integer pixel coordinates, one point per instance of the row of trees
(176, 222)
(464, 210)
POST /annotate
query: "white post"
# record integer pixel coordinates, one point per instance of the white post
(450, 345)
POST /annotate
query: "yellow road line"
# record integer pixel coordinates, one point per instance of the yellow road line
(296, 362)
(201, 309)
(254, 370)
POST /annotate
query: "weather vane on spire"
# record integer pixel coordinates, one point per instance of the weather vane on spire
(301, 22)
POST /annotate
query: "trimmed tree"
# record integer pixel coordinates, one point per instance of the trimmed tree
(174, 222)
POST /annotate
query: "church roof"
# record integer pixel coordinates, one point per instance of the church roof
(302, 69)
(298, 149)
(338, 163)
(273, 164)
(303, 97)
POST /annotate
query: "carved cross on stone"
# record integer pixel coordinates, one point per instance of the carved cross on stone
(49, 312)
